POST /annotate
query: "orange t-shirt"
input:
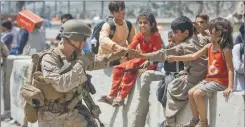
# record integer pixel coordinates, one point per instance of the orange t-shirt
(154, 44)
(217, 69)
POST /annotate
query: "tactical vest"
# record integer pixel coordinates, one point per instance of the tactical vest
(38, 93)
(50, 94)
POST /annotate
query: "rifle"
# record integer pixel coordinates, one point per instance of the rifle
(93, 108)
(138, 68)
(83, 93)
(134, 69)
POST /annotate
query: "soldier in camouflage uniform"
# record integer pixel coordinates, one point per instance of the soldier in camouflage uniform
(56, 113)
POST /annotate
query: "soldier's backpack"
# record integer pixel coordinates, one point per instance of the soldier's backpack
(33, 96)
(37, 91)
(33, 99)
(98, 27)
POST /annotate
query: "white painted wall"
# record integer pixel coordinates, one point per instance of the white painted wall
(222, 112)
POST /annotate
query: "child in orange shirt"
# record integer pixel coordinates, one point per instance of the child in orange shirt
(149, 40)
(220, 70)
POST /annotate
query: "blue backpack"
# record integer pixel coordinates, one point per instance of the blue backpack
(97, 29)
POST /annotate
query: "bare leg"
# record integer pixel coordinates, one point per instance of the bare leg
(198, 96)
(193, 105)
(195, 115)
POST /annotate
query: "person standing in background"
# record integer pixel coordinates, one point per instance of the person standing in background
(64, 18)
(6, 35)
(36, 41)
(87, 47)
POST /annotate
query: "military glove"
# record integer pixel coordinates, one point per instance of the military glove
(116, 55)
(85, 60)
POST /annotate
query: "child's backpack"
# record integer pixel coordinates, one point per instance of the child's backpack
(98, 27)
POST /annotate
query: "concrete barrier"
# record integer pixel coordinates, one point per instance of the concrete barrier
(223, 112)
(17, 79)
(8, 65)
(124, 116)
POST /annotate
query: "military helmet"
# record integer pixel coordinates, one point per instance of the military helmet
(75, 30)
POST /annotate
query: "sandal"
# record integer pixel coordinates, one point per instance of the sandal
(193, 122)
(202, 124)
(106, 100)
(118, 102)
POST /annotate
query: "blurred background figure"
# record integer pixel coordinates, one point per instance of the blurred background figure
(16, 34)
(240, 36)
(237, 15)
(88, 45)
(238, 60)
(24, 34)
(64, 18)
(6, 35)
(36, 41)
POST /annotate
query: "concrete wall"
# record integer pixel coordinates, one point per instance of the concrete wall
(7, 68)
(123, 116)
(223, 112)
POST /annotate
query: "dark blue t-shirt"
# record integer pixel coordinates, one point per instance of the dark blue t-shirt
(7, 38)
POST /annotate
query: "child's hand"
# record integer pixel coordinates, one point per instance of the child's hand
(133, 54)
(171, 58)
(227, 91)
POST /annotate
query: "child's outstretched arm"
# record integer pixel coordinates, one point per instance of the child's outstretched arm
(229, 64)
(189, 57)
